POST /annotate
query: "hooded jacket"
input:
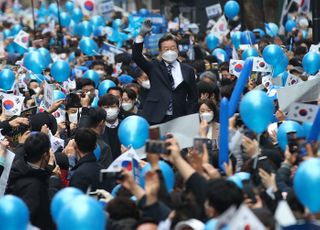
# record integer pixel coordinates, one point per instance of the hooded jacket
(33, 187)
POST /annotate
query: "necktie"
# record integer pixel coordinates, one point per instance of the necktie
(170, 107)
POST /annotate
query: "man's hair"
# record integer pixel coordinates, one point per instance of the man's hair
(86, 140)
(108, 100)
(36, 145)
(167, 37)
(122, 208)
(84, 82)
(222, 194)
(116, 88)
(95, 116)
(97, 62)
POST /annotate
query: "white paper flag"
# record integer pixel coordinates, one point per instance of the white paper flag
(220, 29)
(302, 112)
(11, 104)
(259, 65)
(22, 39)
(128, 160)
(284, 215)
(235, 67)
(245, 219)
(5, 174)
(48, 96)
(292, 80)
(315, 48)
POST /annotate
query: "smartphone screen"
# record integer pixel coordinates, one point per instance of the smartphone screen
(154, 133)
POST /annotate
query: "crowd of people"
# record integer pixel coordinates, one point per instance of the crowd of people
(86, 113)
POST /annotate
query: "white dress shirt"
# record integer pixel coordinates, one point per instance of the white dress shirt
(176, 73)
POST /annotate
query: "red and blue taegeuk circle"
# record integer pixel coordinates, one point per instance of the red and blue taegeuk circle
(238, 68)
(8, 104)
(89, 5)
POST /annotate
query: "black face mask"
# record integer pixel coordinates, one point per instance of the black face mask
(225, 81)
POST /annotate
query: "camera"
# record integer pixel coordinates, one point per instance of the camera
(198, 144)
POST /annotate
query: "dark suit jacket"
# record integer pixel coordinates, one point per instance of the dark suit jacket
(185, 96)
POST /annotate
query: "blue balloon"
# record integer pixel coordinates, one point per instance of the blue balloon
(38, 77)
(306, 184)
(116, 24)
(290, 25)
(143, 12)
(240, 85)
(259, 31)
(243, 175)
(6, 33)
(60, 71)
(97, 21)
(34, 61)
(311, 62)
(104, 86)
(85, 29)
(134, 131)
(10, 48)
(231, 9)
(97, 152)
(19, 49)
(250, 52)
(53, 9)
(15, 29)
(83, 212)
(69, 6)
(272, 54)
(284, 128)
(47, 56)
(212, 41)
(115, 190)
(281, 66)
(77, 15)
(7, 79)
(58, 95)
(88, 46)
(61, 199)
(94, 103)
(167, 173)
(65, 19)
(271, 29)
(236, 39)
(220, 54)
(14, 213)
(248, 38)
(236, 180)
(92, 75)
(256, 110)
(211, 224)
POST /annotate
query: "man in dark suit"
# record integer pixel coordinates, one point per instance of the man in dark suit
(173, 91)
(85, 174)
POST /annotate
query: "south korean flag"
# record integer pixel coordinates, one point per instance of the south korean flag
(302, 112)
(259, 65)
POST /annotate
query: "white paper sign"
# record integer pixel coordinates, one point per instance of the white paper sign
(48, 96)
(284, 215)
(214, 10)
(303, 92)
(5, 174)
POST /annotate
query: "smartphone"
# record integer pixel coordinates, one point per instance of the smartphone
(154, 133)
(198, 144)
(248, 190)
(156, 147)
(292, 142)
(107, 176)
(276, 105)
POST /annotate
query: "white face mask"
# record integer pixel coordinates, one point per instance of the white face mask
(112, 113)
(146, 84)
(73, 117)
(36, 90)
(100, 72)
(206, 116)
(127, 106)
(170, 56)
